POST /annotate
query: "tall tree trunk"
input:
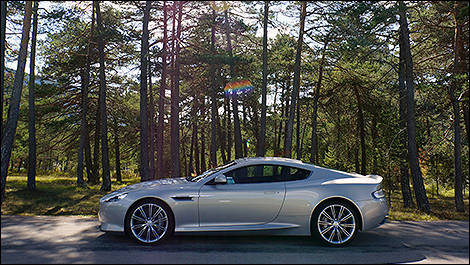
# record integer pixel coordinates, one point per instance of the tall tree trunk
(152, 125)
(404, 175)
(193, 136)
(374, 135)
(196, 147)
(96, 146)
(13, 111)
(297, 129)
(88, 161)
(296, 85)
(32, 117)
(236, 118)
(117, 153)
(3, 25)
(459, 68)
(106, 184)
(222, 130)
(284, 102)
(262, 132)
(360, 127)
(466, 114)
(85, 78)
(174, 124)
(203, 150)
(213, 148)
(161, 98)
(144, 159)
(356, 159)
(314, 148)
(228, 129)
(418, 185)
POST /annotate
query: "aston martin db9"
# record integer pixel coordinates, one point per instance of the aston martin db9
(279, 196)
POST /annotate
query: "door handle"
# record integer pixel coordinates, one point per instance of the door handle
(272, 192)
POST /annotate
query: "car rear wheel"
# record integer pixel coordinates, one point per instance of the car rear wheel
(149, 222)
(335, 223)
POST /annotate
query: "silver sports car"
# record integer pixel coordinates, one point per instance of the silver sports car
(282, 196)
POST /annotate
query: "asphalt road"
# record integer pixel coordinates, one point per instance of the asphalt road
(72, 239)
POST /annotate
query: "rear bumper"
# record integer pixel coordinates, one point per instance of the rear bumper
(374, 212)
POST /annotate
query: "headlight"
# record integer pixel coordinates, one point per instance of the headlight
(378, 194)
(117, 197)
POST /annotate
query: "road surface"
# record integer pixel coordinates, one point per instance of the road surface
(73, 239)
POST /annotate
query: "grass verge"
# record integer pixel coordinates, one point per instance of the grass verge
(54, 195)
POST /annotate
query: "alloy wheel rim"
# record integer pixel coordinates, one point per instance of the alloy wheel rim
(149, 222)
(336, 224)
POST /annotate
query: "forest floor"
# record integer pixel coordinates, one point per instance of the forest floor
(57, 194)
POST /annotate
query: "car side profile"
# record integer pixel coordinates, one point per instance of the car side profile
(279, 196)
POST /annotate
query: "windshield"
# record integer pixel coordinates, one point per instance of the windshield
(209, 172)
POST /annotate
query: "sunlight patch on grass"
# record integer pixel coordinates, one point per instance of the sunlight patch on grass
(442, 208)
(54, 195)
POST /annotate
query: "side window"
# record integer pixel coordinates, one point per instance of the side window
(293, 173)
(254, 174)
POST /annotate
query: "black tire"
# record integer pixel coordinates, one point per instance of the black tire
(335, 223)
(149, 222)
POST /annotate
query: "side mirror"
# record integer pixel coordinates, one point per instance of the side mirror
(221, 179)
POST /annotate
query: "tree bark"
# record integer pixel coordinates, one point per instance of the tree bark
(84, 141)
(236, 118)
(161, 99)
(144, 159)
(13, 111)
(117, 152)
(88, 161)
(360, 128)
(96, 146)
(152, 124)
(228, 129)
(262, 132)
(404, 175)
(213, 148)
(298, 151)
(193, 137)
(459, 68)
(106, 184)
(3, 24)
(203, 150)
(31, 111)
(418, 185)
(174, 123)
(296, 85)
(314, 148)
(374, 135)
(196, 147)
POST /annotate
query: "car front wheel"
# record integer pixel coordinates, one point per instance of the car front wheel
(149, 222)
(335, 223)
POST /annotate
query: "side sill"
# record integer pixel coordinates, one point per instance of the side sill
(270, 226)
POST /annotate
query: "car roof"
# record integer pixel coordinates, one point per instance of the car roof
(251, 160)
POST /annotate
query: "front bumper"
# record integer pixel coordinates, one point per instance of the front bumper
(111, 216)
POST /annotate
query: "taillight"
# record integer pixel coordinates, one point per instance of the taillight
(378, 194)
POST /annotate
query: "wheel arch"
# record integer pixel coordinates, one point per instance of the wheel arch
(337, 198)
(148, 198)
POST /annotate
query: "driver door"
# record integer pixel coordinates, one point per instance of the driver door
(252, 195)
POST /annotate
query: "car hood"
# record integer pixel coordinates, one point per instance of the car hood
(148, 185)
(154, 184)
